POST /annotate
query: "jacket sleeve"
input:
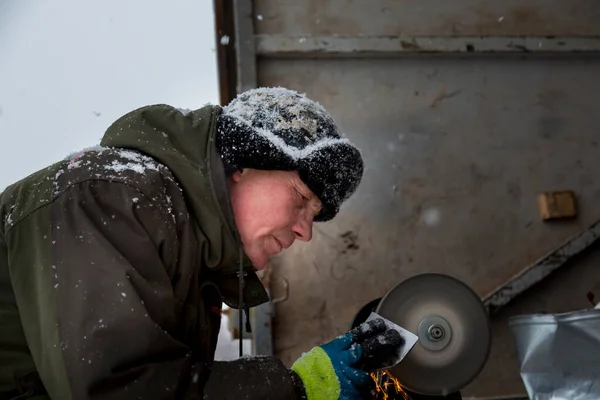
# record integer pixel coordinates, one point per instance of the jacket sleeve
(103, 321)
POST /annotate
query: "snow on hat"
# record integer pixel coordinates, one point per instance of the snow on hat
(280, 129)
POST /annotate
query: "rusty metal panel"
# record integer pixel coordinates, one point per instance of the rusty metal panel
(456, 151)
(428, 17)
(542, 268)
(393, 46)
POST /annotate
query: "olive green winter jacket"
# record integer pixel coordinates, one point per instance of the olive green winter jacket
(113, 266)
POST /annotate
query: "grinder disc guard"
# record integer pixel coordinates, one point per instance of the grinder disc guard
(453, 329)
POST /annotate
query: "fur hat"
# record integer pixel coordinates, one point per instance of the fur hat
(280, 129)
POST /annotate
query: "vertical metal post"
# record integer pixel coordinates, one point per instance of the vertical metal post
(245, 46)
(262, 339)
(225, 27)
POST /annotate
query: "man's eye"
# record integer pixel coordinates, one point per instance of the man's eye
(303, 197)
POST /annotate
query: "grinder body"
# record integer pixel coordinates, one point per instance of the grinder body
(453, 329)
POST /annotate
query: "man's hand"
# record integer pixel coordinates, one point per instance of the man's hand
(380, 345)
(340, 369)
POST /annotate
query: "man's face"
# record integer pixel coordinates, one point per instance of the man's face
(272, 209)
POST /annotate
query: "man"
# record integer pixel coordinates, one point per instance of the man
(114, 262)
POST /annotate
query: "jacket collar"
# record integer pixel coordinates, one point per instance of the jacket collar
(185, 143)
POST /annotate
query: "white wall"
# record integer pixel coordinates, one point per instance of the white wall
(68, 68)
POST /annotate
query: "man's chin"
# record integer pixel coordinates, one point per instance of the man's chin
(259, 267)
(259, 263)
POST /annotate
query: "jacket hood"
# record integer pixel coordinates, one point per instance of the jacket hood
(185, 143)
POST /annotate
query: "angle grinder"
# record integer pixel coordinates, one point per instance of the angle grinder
(452, 325)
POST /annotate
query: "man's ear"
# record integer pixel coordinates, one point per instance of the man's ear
(237, 175)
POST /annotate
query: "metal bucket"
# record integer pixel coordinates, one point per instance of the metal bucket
(559, 354)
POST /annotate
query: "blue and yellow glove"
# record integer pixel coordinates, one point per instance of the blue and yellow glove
(339, 370)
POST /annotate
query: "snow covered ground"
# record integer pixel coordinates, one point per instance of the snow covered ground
(68, 68)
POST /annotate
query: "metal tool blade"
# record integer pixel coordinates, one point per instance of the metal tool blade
(453, 329)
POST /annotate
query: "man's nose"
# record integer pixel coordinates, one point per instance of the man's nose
(303, 229)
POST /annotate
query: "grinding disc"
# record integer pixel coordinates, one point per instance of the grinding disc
(453, 329)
